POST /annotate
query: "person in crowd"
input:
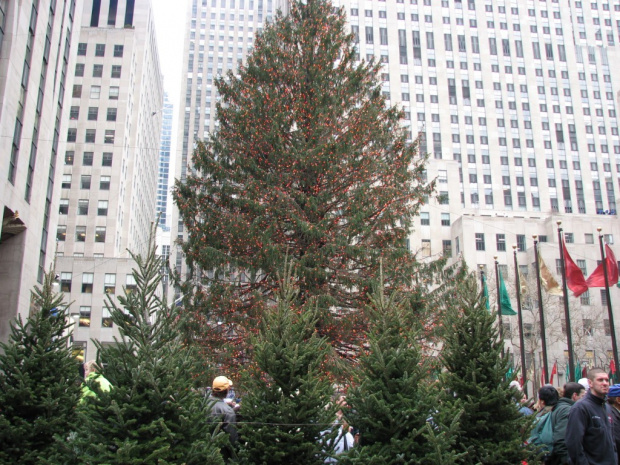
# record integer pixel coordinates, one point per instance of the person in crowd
(613, 398)
(223, 413)
(344, 439)
(589, 433)
(92, 377)
(571, 393)
(547, 398)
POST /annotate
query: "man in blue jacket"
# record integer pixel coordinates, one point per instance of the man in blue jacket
(589, 434)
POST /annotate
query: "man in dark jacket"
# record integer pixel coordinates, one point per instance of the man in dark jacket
(223, 413)
(559, 419)
(589, 435)
(613, 398)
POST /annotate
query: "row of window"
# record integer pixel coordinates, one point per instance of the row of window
(93, 113)
(115, 71)
(85, 182)
(80, 233)
(100, 50)
(95, 92)
(88, 158)
(500, 243)
(90, 136)
(82, 207)
(85, 317)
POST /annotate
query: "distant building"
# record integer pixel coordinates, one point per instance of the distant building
(163, 185)
(37, 44)
(109, 171)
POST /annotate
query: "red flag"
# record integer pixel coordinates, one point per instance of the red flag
(584, 372)
(612, 367)
(597, 278)
(554, 371)
(574, 276)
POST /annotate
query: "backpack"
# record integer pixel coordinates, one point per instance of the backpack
(542, 434)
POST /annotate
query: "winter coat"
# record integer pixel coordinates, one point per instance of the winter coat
(559, 420)
(589, 435)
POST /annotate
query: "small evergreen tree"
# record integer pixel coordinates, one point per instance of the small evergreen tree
(152, 414)
(39, 382)
(492, 430)
(286, 418)
(396, 405)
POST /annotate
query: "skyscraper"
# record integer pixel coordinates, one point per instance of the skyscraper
(109, 174)
(163, 185)
(36, 42)
(516, 103)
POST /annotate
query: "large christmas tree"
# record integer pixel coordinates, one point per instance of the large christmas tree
(395, 404)
(491, 429)
(39, 383)
(286, 418)
(152, 414)
(308, 162)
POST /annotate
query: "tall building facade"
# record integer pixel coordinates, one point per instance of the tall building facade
(37, 39)
(517, 104)
(109, 171)
(163, 185)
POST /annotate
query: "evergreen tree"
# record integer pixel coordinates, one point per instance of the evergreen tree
(39, 382)
(395, 405)
(152, 414)
(285, 418)
(492, 430)
(308, 162)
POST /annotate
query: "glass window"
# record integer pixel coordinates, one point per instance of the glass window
(104, 183)
(106, 159)
(95, 92)
(100, 50)
(87, 159)
(65, 282)
(500, 242)
(85, 181)
(69, 156)
(480, 241)
(74, 113)
(113, 95)
(83, 207)
(116, 71)
(106, 319)
(93, 112)
(90, 136)
(63, 207)
(425, 219)
(100, 234)
(84, 315)
(66, 181)
(109, 136)
(61, 233)
(109, 286)
(445, 219)
(80, 236)
(81, 50)
(77, 91)
(97, 71)
(71, 134)
(102, 208)
(111, 114)
(118, 51)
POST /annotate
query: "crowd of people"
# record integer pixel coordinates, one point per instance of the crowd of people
(578, 424)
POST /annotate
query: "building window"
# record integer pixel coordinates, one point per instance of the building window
(111, 114)
(83, 207)
(102, 208)
(130, 285)
(97, 71)
(81, 50)
(588, 329)
(106, 318)
(521, 242)
(66, 181)
(87, 159)
(585, 298)
(77, 91)
(71, 134)
(106, 159)
(100, 234)
(104, 183)
(500, 242)
(61, 233)
(93, 112)
(603, 297)
(95, 92)
(109, 286)
(85, 182)
(116, 71)
(90, 136)
(113, 95)
(63, 207)
(65, 282)
(109, 136)
(425, 219)
(480, 241)
(426, 247)
(80, 234)
(443, 198)
(84, 315)
(445, 219)
(69, 156)
(568, 238)
(74, 113)
(118, 51)
(100, 50)
(447, 247)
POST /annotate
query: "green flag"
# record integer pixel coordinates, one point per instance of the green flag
(485, 291)
(578, 375)
(504, 299)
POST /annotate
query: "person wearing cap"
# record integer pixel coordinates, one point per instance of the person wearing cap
(572, 392)
(613, 399)
(222, 412)
(589, 432)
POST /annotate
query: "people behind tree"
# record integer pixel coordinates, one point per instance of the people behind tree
(344, 439)
(222, 412)
(589, 431)
(93, 379)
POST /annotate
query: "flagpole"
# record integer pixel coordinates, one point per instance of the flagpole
(541, 313)
(612, 326)
(569, 337)
(521, 341)
(481, 276)
(499, 306)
